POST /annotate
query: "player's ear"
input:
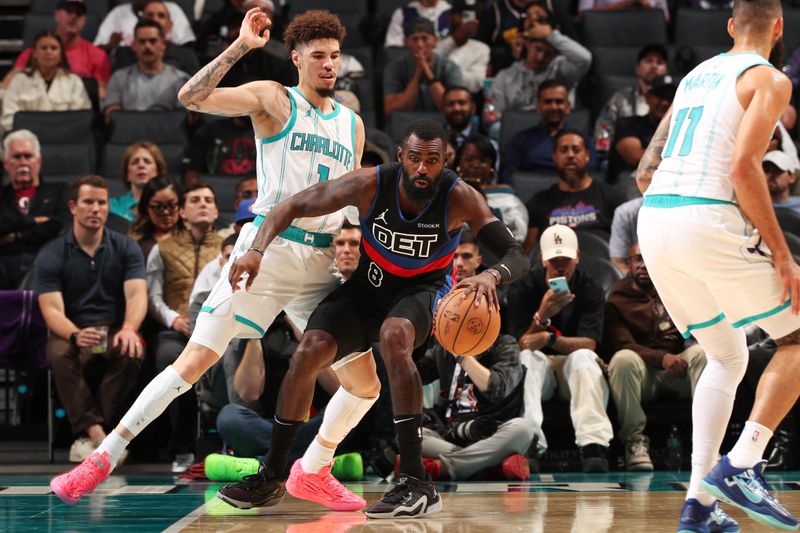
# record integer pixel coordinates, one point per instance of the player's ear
(731, 31)
(399, 153)
(296, 58)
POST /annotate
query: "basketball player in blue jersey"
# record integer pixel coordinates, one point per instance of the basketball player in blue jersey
(411, 215)
(303, 137)
(719, 261)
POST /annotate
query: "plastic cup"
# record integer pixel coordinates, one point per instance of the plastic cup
(102, 344)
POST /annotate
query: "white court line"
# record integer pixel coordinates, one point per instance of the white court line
(193, 516)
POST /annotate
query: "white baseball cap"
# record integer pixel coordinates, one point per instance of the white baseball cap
(779, 159)
(559, 241)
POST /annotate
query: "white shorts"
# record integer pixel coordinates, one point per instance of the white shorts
(708, 265)
(293, 277)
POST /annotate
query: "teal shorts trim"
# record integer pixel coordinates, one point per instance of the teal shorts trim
(248, 322)
(701, 325)
(301, 236)
(761, 316)
(673, 200)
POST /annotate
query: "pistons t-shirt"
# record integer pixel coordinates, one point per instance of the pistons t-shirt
(592, 207)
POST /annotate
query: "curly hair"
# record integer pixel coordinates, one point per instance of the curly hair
(312, 25)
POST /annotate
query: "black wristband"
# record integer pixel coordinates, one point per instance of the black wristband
(254, 249)
(73, 338)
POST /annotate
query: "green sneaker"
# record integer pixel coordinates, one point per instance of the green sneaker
(228, 468)
(348, 467)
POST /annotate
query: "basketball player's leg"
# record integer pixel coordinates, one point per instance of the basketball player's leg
(407, 328)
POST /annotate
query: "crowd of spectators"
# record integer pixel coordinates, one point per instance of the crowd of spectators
(117, 259)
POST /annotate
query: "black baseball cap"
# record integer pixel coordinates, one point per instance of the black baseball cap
(419, 25)
(76, 6)
(664, 86)
(653, 49)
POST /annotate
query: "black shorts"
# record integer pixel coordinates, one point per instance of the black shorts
(355, 311)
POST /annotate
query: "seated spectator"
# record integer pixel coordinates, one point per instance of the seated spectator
(244, 214)
(618, 5)
(182, 58)
(141, 162)
(577, 200)
(459, 109)
(84, 59)
(436, 11)
(630, 101)
(558, 333)
(489, 393)
(150, 83)
(782, 140)
(93, 295)
(726, 5)
(623, 233)
(633, 134)
(781, 178)
(156, 213)
(222, 148)
(476, 162)
(450, 154)
(347, 244)
(532, 149)
(32, 213)
(650, 357)
(118, 26)
(46, 84)
(246, 191)
(469, 54)
(549, 55)
(270, 62)
(418, 79)
(209, 276)
(172, 267)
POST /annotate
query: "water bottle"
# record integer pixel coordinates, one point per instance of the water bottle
(603, 141)
(674, 458)
(489, 116)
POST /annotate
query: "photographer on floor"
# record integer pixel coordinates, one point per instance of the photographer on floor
(477, 423)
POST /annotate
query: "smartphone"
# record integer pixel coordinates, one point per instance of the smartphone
(469, 15)
(558, 284)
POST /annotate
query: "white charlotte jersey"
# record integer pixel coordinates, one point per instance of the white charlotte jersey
(702, 132)
(311, 147)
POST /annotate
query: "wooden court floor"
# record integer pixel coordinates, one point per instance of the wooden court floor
(615, 502)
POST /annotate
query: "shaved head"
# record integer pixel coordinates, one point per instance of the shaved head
(755, 15)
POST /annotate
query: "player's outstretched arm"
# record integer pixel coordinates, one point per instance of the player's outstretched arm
(764, 92)
(652, 156)
(357, 188)
(201, 93)
(468, 206)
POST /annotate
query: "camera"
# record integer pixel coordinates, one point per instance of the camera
(466, 432)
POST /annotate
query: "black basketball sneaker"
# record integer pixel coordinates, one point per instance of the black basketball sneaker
(410, 498)
(256, 490)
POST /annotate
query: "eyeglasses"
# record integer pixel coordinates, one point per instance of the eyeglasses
(23, 155)
(636, 258)
(246, 195)
(165, 208)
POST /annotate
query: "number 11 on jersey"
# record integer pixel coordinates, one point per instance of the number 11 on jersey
(694, 114)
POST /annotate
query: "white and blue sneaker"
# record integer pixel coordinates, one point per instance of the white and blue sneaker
(746, 489)
(699, 518)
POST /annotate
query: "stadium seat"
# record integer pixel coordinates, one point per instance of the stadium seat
(514, 122)
(57, 126)
(526, 184)
(352, 21)
(791, 35)
(695, 27)
(601, 271)
(67, 161)
(99, 8)
(112, 158)
(793, 241)
(614, 60)
(351, 6)
(387, 7)
(187, 6)
(592, 244)
(623, 28)
(36, 23)
(606, 86)
(398, 121)
(225, 191)
(155, 126)
(789, 220)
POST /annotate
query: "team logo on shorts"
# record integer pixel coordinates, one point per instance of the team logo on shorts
(756, 252)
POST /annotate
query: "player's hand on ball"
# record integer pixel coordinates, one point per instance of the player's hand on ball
(244, 267)
(485, 284)
(789, 273)
(255, 28)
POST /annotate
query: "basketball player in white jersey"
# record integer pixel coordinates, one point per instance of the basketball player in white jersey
(719, 260)
(303, 137)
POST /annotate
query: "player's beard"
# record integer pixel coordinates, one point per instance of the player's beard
(418, 195)
(325, 93)
(776, 54)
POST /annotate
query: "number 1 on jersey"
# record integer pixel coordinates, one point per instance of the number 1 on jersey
(688, 138)
(323, 172)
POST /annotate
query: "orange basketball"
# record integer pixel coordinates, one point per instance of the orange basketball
(463, 329)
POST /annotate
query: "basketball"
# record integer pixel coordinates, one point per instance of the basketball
(463, 329)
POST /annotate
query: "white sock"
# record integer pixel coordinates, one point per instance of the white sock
(114, 445)
(749, 449)
(342, 414)
(317, 457)
(695, 491)
(154, 399)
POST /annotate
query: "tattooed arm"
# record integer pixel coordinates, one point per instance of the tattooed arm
(357, 188)
(200, 93)
(652, 156)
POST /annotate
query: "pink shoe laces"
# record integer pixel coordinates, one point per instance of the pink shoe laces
(85, 477)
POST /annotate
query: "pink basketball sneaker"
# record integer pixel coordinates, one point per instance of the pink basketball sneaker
(82, 479)
(322, 488)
